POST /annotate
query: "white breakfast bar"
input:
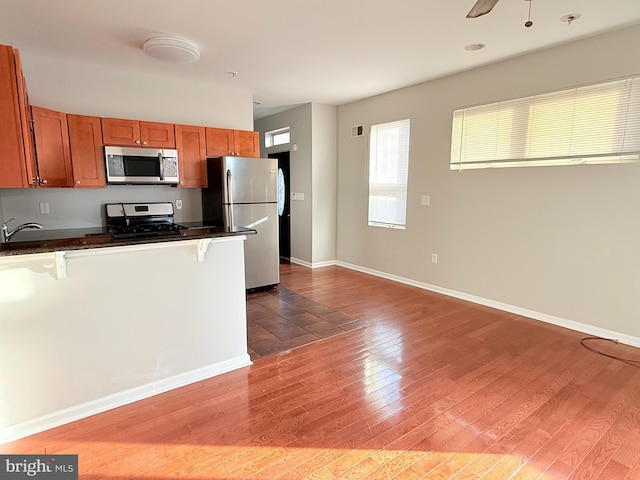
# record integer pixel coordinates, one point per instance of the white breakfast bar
(86, 330)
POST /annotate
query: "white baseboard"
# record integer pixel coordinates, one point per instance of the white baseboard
(76, 412)
(304, 263)
(543, 317)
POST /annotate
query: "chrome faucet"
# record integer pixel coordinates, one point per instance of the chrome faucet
(7, 234)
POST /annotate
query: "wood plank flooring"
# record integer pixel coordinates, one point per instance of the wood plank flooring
(431, 387)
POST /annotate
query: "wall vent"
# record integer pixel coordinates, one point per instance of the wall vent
(357, 131)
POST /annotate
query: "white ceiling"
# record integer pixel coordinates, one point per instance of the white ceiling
(289, 52)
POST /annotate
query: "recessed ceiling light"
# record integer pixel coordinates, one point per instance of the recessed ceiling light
(171, 49)
(472, 47)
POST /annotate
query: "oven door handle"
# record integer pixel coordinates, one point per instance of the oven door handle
(160, 159)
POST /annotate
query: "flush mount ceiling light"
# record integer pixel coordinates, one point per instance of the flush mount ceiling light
(171, 49)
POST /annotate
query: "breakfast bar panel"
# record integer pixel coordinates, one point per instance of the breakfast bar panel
(124, 323)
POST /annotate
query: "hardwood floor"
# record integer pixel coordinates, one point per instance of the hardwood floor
(432, 387)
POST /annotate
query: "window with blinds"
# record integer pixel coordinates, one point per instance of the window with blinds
(591, 124)
(388, 172)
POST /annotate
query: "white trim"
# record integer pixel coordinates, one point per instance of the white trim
(328, 263)
(83, 410)
(543, 317)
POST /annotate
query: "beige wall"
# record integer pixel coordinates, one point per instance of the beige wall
(313, 173)
(324, 170)
(299, 120)
(561, 241)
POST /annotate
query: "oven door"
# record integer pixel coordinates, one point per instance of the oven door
(141, 165)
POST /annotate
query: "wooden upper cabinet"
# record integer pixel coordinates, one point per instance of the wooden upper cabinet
(134, 133)
(247, 143)
(17, 162)
(52, 148)
(192, 156)
(219, 142)
(240, 143)
(158, 135)
(87, 154)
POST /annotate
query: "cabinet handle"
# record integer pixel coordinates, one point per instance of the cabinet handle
(137, 142)
(144, 143)
(77, 182)
(44, 182)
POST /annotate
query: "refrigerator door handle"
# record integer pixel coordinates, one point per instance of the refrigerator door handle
(230, 197)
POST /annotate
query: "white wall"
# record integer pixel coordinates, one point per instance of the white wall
(561, 241)
(95, 90)
(84, 89)
(313, 172)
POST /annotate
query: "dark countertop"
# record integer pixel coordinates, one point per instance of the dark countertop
(31, 241)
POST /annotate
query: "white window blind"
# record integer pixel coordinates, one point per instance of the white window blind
(388, 171)
(591, 124)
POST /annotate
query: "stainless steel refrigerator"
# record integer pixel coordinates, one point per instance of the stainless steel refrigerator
(242, 192)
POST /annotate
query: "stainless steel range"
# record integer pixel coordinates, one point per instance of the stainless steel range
(141, 220)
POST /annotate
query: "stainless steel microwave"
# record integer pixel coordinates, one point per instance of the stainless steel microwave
(133, 165)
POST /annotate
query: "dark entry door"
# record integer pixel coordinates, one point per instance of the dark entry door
(284, 208)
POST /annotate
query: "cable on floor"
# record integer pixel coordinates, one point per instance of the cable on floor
(628, 361)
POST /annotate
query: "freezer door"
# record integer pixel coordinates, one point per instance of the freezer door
(261, 255)
(249, 180)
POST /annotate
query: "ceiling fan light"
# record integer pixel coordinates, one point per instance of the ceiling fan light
(171, 49)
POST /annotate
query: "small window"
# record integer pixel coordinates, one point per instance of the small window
(388, 173)
(591, 124)
(280, 136)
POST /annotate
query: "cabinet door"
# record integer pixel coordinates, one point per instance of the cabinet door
(87, 154)
(220, 142)
(157, 135)
(247, 143)
(15, 134)
(121, 133)
(192, 156)
(52, 148)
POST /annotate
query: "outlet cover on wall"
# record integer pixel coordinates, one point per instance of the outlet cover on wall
(44, 208)
(357, 131)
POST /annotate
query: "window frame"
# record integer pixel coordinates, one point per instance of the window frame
(395, 190)
(271, 135)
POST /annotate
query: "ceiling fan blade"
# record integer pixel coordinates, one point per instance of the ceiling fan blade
(481, 7)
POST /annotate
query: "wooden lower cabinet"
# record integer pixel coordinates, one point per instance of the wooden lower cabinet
(52, 148)
(238, 143)
(87, 153)
(192, 156)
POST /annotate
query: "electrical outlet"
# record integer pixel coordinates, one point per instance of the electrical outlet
(434, 258)
(425, 200)
(44, 208)
(179, 204)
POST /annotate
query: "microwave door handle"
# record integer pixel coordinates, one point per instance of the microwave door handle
(161, 166)
(230, 197)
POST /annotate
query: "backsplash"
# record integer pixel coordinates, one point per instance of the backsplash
(80, 207)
